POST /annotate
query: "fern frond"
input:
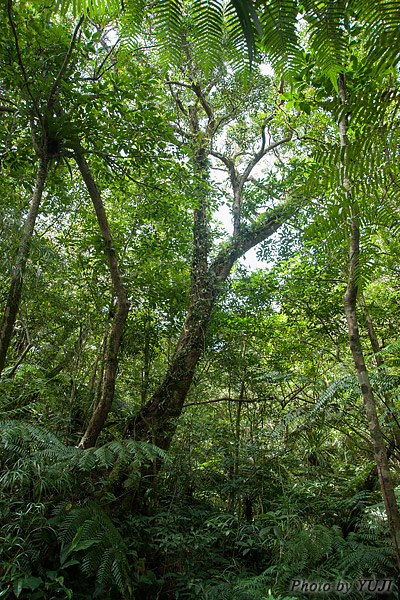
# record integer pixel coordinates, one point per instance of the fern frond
(244, 25)
(93, 8)
(328, 36)
(382, 26)
(36, 457)
(105, 550)
(280, 41)
(207, 32)
(168, 27)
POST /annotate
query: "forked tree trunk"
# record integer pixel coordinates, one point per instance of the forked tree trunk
(17, 280)
(157, 421)
(102, 409)
(350, 302)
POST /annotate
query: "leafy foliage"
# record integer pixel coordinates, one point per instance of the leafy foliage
(270, 474)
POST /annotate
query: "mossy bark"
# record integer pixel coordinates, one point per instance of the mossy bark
(17, 279)
(103, 407)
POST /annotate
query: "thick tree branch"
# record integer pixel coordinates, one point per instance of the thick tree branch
(250, 237)
(238, 180)
(233, 174)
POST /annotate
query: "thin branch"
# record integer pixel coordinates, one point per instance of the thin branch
(226, 399)
(34, 140)
(230, 166)
(19, 361)
(5, 99)
(113, 163)
(178, 101)
(259, 185)
(260, 154)
(180, 83)
(100, 75)
(65, 63)
(21, 64)
(24, 327)
(105, 59)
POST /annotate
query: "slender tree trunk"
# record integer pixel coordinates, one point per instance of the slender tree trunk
(378, 443)
(94, 394)
(17, 280)
(102, 409)
(350, 302)
(392, 421)
(146, 362)
(14, 295)
(239, 415)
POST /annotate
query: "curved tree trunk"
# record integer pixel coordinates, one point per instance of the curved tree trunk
(102, 409)
(157, 421)
(17, 280)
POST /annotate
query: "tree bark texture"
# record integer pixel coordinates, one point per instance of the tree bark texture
(14, 294)
(350, 302)
(17, 279)
(157, 420)
(102, 409)
(381, 367)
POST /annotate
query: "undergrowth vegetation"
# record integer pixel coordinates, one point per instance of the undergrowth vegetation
(200, 530)
(177, 423)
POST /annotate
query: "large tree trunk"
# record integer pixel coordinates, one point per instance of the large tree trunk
(349, 302)
(17, 280)
(102, 409)
(157, 421)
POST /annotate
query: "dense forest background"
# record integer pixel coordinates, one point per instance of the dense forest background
(176, 424)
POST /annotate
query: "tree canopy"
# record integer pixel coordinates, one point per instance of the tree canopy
(176, 421)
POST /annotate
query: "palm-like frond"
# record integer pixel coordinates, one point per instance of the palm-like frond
(207, 32)
(168, 29)
(279, 34)
(382, 31)
(328, 37)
